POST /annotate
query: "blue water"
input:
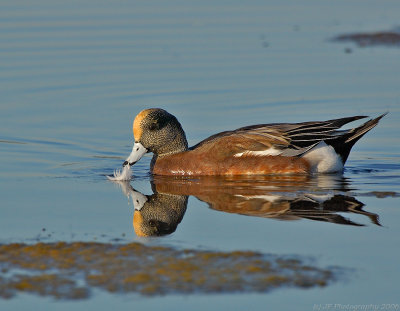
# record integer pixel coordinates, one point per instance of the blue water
(74, 74)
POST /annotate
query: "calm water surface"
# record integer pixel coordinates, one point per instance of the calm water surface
(74, 74)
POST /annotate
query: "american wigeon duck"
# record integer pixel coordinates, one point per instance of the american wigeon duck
(278, 148)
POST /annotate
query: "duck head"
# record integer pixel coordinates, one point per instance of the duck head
(155, 130)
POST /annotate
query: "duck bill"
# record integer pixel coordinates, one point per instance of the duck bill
(137, 153)
(138, 199)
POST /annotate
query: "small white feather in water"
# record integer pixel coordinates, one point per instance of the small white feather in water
(126, 174)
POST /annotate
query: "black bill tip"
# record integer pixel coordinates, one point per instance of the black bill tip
(127, 163)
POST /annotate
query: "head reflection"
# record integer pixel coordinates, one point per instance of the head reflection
(157, 214)
(323, 198)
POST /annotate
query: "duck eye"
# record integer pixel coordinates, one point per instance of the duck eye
(152, 222)
(153, 127)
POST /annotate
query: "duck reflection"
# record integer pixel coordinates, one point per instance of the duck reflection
(157, 214)
(323, 198)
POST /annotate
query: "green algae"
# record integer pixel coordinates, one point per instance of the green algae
(49, 285)
(71, 270)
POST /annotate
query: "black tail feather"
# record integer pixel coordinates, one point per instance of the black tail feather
(344, 143)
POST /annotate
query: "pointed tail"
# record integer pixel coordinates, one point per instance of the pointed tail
(344, 144)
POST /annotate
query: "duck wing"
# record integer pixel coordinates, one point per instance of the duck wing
(285, 139)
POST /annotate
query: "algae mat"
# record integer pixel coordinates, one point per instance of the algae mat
(72, 270)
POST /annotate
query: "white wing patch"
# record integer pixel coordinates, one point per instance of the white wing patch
(267, 152)
(324, 159)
